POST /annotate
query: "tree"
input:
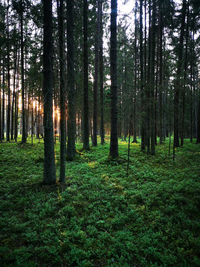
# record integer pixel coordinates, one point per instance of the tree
(49, 161)
(101, 72)
(152, 78)
(198, 121)
(22, 72)
(161, 70)
(62, 93)
(141, 77)
(113, 76)
(71, 127)
(96, 76)
(85, 78)
(8, 78)
(178, 78)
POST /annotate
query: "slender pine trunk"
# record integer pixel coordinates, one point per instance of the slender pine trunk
(49, 160)
(178, 79)
(71, 123)
(85, 78)
(62, 91)
(113, 75)
(102, 131)
(96, 78)
(22, 74)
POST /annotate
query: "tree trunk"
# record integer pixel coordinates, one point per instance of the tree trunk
(32, 120)
(198, 120)
(148, 84)
(13, 98)
(8, 80)
(184, 81)
(3, 103)
(0, 112)
(16, 116)
(152, 79)
(160, 72)
(14, 94)
(22, 74)
(101, 73)
(49, 161)
(62, 90)
(113, 75)
(71, 150)
(142, 78)
(178, 79)
(85, 78)
(96, 76)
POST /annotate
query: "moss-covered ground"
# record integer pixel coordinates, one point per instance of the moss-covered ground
(101, 217)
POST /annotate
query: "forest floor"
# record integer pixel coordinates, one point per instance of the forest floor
(102, 217)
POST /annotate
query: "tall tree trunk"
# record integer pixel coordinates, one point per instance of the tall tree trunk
(22, 73)
(49, 160)
(0, 112)
(8, 79)
(191, 104)
(148, 83)
(101, 73)
(71, 150)
(184, 80)
(96, 76)
(113, 75)
(16, 99)
(142, 78)
(12, 110)
(27, 114)
(156, 95)
(3, 102)
(62, 89)
(160, 72)
(16, 116)
(85, 78)
(152, 79)
(198, 120)
(135, 85)
(178, 79)
(32, 119)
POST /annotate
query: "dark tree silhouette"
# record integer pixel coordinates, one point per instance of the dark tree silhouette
(113, 75)
(71, 126)
(49, 161)
(62, 94)
(85, 78)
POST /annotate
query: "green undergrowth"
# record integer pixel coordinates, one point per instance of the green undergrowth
(101, 217)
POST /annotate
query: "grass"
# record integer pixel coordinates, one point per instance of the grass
(102, 217)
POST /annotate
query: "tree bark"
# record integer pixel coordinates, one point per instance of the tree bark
(3, 103)
(198, 120)
(22, 74)
(8, 79)
(96, 77)
(142, 78)
(184, 81)
(152, 79)
(178, 79)
(71, 150)
(49, 161)
(0, 111)
(102, 131)
(113, 75)
(85, 78)
(62, 91)
(160, 72)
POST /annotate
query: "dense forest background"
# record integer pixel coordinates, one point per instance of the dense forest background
(155, 75)
(109, 102)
